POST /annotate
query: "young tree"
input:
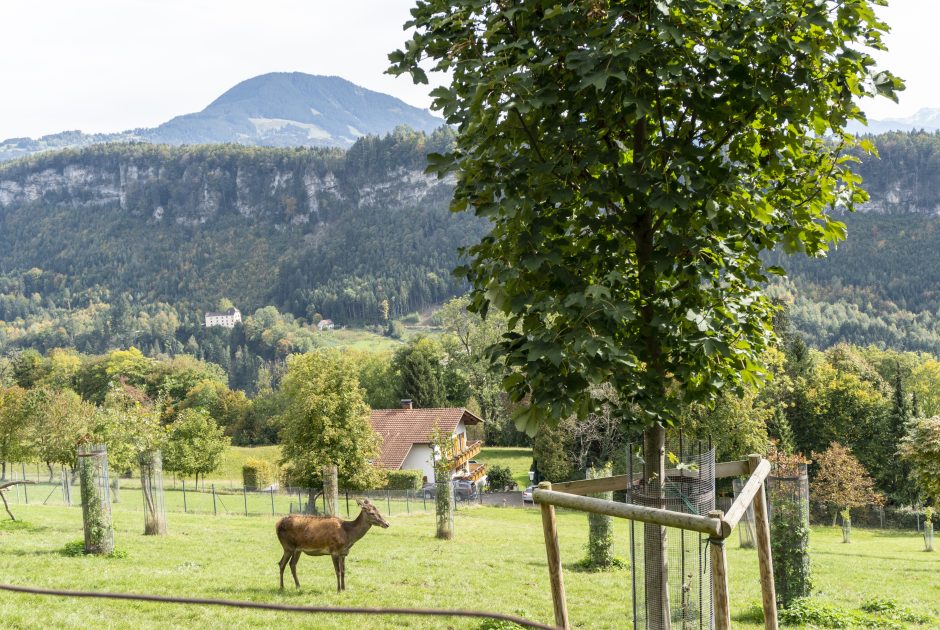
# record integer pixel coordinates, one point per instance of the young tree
(842, 483)
(326, 422)
(57, 420)
(128, 426)
(14, 430)
(635, 158)
(194, 445)
(443, 477)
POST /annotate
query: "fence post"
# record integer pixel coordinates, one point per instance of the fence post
(272, 500)
(184, 496)
(25, 493)
(388, 501)
(552, 552)
(245, 494)
(407, 502)
(347, 502)
(764, 557)
(215, 511)
(719, 564)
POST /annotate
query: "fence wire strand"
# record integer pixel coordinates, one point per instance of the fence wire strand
(343, 610)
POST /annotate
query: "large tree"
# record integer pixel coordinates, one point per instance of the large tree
(921, 449)
(635, 158)
(326, 422)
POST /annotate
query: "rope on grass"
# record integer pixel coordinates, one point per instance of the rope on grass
(346, 610)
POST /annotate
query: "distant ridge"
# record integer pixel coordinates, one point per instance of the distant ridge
(925, 119)
(279, 109)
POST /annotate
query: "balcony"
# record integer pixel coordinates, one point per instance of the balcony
(477, 472)
(466, 454)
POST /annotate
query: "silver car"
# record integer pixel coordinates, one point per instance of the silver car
(527, 496)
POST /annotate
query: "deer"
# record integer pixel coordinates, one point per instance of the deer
(324, 535)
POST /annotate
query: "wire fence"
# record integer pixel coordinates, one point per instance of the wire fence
(219, 498)
(873, 517)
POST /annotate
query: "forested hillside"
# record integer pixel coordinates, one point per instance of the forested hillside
(119, 245)
(129, 244)
(882, 284)
(312, 231)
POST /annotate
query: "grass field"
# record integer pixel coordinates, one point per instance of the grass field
(496, 563)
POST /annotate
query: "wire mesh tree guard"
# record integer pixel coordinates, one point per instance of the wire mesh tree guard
(717, 525)
(151, 485)
(746, 532)
(788, 495)
(674, 561)
(96, 500)
(444, 508)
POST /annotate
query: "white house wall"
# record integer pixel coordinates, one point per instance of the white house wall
(420, 458)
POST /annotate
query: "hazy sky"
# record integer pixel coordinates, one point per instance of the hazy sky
(110, 65)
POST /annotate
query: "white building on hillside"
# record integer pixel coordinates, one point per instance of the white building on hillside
(227, 319)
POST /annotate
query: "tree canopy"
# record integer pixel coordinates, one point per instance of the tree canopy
(634, 159)
(326, 422)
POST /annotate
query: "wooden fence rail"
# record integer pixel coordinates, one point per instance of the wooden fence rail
(717, 525)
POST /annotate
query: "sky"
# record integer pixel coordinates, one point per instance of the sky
(111, 65)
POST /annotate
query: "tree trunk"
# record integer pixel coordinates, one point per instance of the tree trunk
(656, 556)
(330, 491)
(51, 474)
(600, 527)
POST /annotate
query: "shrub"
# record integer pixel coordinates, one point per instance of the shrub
(404, 479)
(498, 477)
(411, 318)
(806, 611)
(76, 549)
(258, 473)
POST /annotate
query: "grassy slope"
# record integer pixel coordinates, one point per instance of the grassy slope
(496, 563)
(519, 459)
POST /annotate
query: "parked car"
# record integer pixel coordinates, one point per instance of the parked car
(463, 490)
(527, 495)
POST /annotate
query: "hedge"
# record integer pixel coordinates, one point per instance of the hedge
(404, 479)
(258, 473)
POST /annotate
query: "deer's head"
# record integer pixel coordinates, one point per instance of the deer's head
(371, 512)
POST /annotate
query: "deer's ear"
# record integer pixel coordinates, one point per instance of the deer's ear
(361, 502)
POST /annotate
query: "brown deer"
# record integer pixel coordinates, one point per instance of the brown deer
(324, 535)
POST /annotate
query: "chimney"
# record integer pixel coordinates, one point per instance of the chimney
(406, 403)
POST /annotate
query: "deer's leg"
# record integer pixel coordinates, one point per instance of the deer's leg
(282, 564)
(342, 570)
(293, 567)
(337, 567)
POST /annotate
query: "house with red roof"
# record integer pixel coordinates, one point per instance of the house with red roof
(407, 443)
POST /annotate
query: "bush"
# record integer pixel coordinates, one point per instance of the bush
(411, 318)
(498, 477)
(404, 479)
(395, 330)
(76, 549)
(258, 473)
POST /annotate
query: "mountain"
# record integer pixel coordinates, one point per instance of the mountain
(925, 119)
(278, 109)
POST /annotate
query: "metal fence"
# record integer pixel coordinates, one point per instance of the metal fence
(220, 498)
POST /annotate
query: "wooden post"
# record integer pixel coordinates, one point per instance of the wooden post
(720, 602)
(762, 521)
(550, 531)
